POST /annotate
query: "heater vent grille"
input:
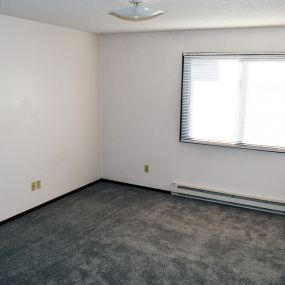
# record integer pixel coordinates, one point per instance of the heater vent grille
(195, 192)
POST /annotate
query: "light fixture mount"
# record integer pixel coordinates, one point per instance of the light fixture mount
(136, 12)
(135, 2)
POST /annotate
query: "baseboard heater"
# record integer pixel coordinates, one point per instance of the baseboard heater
(232, 199)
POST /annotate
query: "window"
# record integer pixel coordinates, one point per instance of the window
(234, 100)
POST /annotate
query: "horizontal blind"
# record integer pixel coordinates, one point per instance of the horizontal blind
(234, 99)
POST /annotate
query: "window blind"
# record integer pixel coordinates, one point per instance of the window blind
(234, 100)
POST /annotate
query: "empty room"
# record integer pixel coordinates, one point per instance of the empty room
(142, 142)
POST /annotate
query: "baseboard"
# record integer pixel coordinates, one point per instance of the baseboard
(136, 185)
(49, 202)
(80, 189)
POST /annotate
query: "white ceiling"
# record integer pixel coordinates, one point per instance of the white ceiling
(90, 15)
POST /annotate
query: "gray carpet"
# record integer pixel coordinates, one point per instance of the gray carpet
(116, 234)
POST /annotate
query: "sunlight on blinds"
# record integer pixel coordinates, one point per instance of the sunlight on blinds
(265, 104)
(214, 99)
(234, 100)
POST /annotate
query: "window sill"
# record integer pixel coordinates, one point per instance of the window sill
(240, 146)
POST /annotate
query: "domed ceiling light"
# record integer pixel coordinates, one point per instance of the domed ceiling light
(136, 12)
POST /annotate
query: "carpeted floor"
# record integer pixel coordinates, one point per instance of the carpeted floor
(116, 234)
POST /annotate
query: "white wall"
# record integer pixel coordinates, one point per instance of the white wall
(49, 112)
(141, 83)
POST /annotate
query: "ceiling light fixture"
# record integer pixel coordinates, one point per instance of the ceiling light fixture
(136, 13)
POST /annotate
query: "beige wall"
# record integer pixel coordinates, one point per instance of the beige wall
(141, 89)
(49, 112)
(50, 124)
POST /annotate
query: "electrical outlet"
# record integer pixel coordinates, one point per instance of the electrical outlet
(35, 185)
(146, 168)
(39, 184)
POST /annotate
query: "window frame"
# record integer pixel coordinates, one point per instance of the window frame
(220, 144)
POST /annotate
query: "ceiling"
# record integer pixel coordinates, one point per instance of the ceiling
(91, 16)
